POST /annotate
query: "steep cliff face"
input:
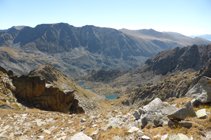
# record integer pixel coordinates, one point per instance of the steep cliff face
(33, 89)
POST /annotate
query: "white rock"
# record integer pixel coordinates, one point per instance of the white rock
(40, 137)
(179, 136)
(117, 138)
(46, 131)
(157, 136)
(80, 136)
(145, 138)
(201, 114)
(95, 132)
(83, 120)
(133, 129)
(164, 137)
(94, 125)
(140, 133)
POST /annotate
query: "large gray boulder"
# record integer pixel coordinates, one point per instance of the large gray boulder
(153, 118)
(154, 113)
(182, 113)
(201, 92)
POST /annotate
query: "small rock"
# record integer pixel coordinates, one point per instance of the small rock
(179, 136)
(157, 136)
(83, 120)
(133, 129)
(83, 128)
(145, 138)
(95, 133)
(137, 123)
(94, 125)
(117, 138)
(80, 136)
(136, 114)
(3, 138)
(46, 131)
(201, 114)
(5, 106)
(140, 133)
(40, 137)
(25, 109)
(187, 124)
(164, 137)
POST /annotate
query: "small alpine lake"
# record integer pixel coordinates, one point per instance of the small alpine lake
(83, 84)
(112, 96)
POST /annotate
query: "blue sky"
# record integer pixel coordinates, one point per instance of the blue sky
(189, 17)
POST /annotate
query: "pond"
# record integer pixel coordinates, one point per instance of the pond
(83, 84)
(112, 96)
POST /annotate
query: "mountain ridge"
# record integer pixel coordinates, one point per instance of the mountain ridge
(76, 50)
(168, 62)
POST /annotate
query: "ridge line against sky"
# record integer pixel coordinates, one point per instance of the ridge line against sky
(188, 17)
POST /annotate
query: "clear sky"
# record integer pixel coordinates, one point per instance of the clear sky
(189, 17)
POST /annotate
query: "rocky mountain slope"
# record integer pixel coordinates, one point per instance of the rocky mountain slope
(56, 78)
(177, 118)
(169, 62)
(104, 76)
(77, 50)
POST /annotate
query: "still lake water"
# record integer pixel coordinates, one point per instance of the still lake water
(112, 96)
(82, 84)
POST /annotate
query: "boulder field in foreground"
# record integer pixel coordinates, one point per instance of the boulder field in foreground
(34, 90)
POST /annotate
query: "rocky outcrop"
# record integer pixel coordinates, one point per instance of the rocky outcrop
(201, 92)
(155, 113)
(32, 89)
(182, 113)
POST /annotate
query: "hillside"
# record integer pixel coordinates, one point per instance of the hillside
(206, 36)
(104, 76)
(149, 111)
(165, 40)
(56, 78)
(169, 62)
(78, 50)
